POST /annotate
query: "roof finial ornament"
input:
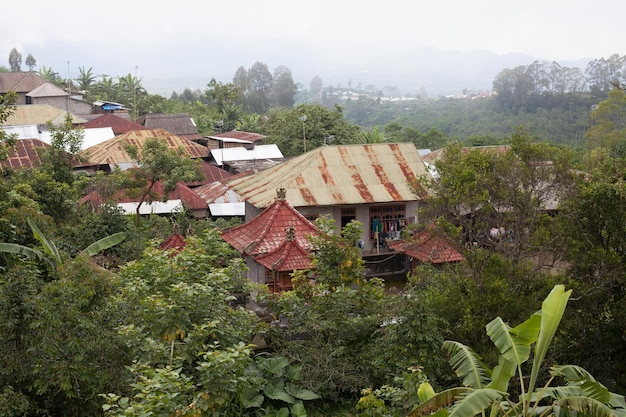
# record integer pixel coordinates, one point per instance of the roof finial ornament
(290, 234)
(281, 193)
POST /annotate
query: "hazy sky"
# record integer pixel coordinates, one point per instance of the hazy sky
(182, 37)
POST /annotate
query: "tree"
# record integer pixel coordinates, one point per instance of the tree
(333, 314)
(66, 142)
(261, 82)
(316, 84)
(488, 391)
(157, 162)
(85, 79)
(306, 125)
(481, 192)
(607, 133)
(240, 80)
(31, 62)
(190, 342)
(284, 88)
(373, 136)
(222, 94)
(15, 60)
(7, 108)
(49, 74)
(56, 320)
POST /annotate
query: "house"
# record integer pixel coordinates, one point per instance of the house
(246, 158)
(233, 139)
(180, 199)
(369, 183)
(274, 243)
(106, 155)
(118, 124)
(26, 155)
(31, 88)
(375, 184)
(52, 95)
(22, 83)
(179, 124)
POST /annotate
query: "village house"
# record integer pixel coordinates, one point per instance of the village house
(369, 183)
(274, 244)
(179, 124)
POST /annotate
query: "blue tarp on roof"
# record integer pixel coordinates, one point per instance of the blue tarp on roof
(112, 107)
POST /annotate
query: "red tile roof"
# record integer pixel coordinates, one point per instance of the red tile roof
(118, 124)
(289, 256)
(266, 232)
(175, 243)
(25, 155)
(429, 246)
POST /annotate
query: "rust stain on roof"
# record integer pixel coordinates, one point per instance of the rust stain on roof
(339, 175)
(113, 150)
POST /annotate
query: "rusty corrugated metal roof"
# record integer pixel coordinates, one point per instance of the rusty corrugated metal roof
(25, 155)
(112, 151)
(235, 134)
(118, 124)
(338, 175)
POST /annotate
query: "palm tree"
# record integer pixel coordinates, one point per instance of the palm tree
(85, 79)
(373, 136)
(486, 391)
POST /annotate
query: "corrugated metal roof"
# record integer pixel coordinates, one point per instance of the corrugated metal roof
(155, 207)
(227, 209)
(216, 192)
(258, 152)
(118, 124)
(235, 135)
(21, 82)
(25, 155)
(112, 151)
(177, 123)
(338, 175)
(47, 90)
(34, 114)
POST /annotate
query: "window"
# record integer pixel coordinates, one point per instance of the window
(347, 214)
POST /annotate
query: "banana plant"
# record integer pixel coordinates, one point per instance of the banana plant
(51, 254)
(485, 391)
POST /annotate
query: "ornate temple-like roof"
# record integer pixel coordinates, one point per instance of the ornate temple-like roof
(267, 232)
